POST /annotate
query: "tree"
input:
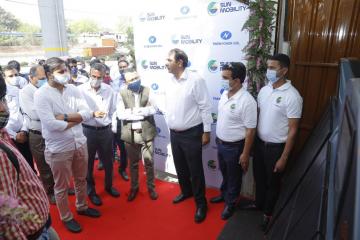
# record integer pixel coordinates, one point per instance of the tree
(83, 26)
(8, 22)
(123, 24)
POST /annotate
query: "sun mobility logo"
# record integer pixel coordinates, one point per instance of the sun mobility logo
(226, 36)
(152, 65)
(214, 117)
(152, 42)
(159, 151)
(150, 17)
(212, 165)
(185, 39)
(215, 8)
(212, 66)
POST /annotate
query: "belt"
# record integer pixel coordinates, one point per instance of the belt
(35, 132)
(96, 128)
(186, 130)
(219, 141)
(271, 144)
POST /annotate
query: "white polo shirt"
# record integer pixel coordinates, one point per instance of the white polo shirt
(276, 107)
(235, 114)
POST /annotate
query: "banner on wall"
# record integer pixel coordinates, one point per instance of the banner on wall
(210, 33)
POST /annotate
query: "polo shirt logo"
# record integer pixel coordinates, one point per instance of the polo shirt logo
(278, 100)
(232, 106)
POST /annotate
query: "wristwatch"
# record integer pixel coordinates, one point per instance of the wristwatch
(65, 117)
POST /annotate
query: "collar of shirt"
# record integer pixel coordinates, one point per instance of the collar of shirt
(89, 88)
(236, 96)
(283, 87)
(184, 76)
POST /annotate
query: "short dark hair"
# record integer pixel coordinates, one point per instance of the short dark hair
(94, 61)
(33, 70)
(123, 60)
(180, 55)
(283, 59)
(72, 61)
(14, 63)
(52, 64)
(9, 68)
(2, 87)
(99, 67)
(238, 70)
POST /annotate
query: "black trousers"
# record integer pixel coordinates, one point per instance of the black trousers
(187, 153)
(24, 149)
(121, 144)
(267, 181)
(99, 141)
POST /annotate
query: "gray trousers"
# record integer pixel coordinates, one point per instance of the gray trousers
(100, 141)
(137, 151)
(37, 148)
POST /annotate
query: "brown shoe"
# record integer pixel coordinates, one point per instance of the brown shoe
(132, 194)
(153, 195)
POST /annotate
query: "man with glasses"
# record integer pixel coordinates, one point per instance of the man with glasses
(235, 132)
(99, 97)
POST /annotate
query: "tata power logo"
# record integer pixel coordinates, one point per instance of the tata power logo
(152, 42)
(184, 10)
(150, 17)
(225, 39)
(213, 66)
(185, 39)
(152, 65)
(185, 13)
(158, 131)
(154, 86)
(215, 8)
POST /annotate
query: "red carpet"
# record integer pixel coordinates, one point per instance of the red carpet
(143, 218)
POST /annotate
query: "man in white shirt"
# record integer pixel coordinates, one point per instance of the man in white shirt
(99, 97)
(76, 77)
(136, 109)
(61, 109)
(36, 141)
(17, 126)
(188, 115)
(235, 132)
(280, 107)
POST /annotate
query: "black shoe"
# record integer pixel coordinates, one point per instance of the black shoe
(200, 214)
(153, 195)
(73, 226)
(123, 175)
(180, 198)
(95, 199)
(100, 166)
(227, 212)
(265, 222)
(217, 199)
(71, 191)
(132, 194)
(90, 212)
(113, 192)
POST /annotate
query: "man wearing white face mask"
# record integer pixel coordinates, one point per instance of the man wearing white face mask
(61, 108)
(99, 97)
(17, 125)
(36, 141)
(280, 107)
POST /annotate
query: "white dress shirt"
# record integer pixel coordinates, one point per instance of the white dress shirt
(138, 113)
(118, 83)
(235, 115)
(28, 107)
(50, 102)
(103, 99)
(16, 122)
(187, 102)
(276, 107)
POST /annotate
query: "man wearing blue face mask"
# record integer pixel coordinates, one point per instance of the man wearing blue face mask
(136, 109)
(36, 141)
(280, 107)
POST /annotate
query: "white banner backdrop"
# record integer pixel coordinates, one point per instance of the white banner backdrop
(210, 33)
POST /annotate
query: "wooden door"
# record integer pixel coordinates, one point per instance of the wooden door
(321, 32)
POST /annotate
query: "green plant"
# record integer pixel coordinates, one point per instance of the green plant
(260, 25)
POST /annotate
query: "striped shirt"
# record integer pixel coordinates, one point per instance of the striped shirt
(28, 190)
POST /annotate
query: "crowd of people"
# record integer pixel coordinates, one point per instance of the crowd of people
(61, 118)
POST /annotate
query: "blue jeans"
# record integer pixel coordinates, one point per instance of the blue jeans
(228, 156)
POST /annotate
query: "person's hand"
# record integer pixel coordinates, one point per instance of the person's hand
(280, 165)
(21, 137)
(99, 114)
(59, 117)
(244, 162)
(205, 138)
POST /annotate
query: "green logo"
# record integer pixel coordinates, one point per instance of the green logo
(278, 100)
(212, 65)
(212, 164)
(232, 106)
(214, 117)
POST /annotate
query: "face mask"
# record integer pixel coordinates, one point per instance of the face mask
(14, 81)
(41, 82)
(73, 71)
(271, 76)
(225, 85)
(80, 67)
(135, 85)
(62, 78)
(4, 118)
(95, 83)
